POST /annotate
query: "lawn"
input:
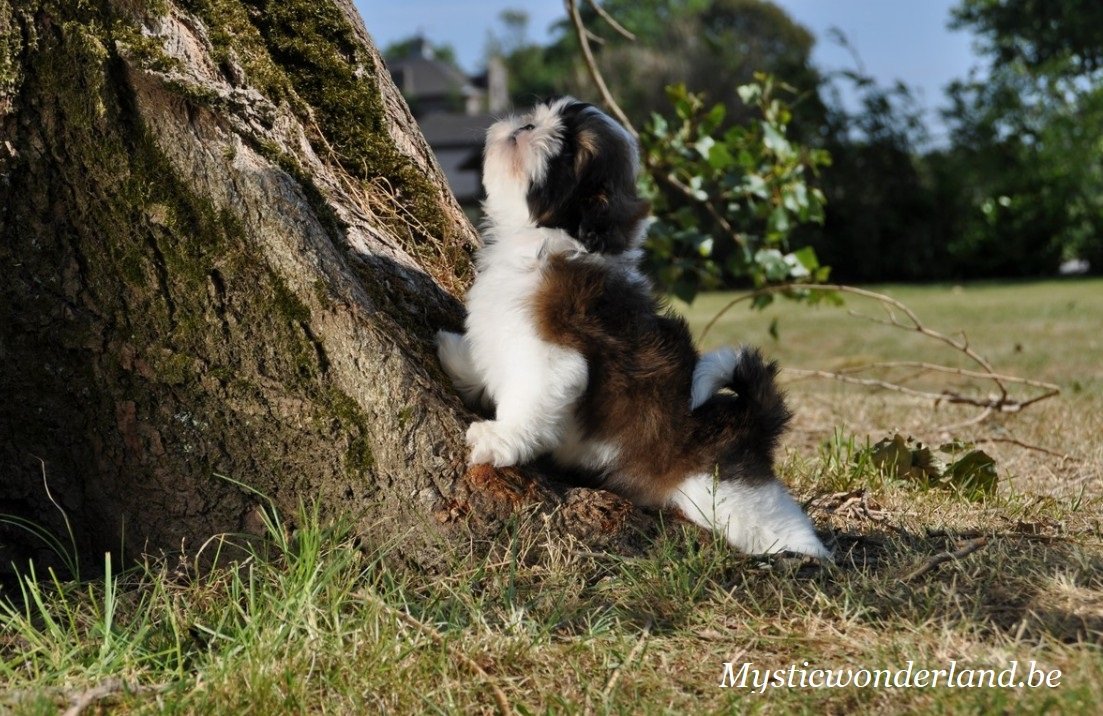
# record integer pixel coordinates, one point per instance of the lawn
(318, 624)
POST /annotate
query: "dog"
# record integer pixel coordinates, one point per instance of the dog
(566, 342)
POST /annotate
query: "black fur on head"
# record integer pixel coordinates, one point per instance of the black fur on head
(589, 188)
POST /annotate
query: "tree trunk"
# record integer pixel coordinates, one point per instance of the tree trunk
(225, 251)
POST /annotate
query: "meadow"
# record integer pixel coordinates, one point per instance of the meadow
(314, 622)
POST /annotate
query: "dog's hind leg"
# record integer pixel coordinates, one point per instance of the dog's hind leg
(756, 516)
(455, 357)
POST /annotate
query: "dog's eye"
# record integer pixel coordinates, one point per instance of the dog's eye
(527, 128)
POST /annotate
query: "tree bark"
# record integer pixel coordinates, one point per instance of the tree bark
(225, 251)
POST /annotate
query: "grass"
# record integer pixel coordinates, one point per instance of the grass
(311, 620)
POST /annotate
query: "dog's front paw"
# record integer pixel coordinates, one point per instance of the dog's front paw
(800, 539)
(491, 444)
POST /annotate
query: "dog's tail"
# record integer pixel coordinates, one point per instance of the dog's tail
(759, 406)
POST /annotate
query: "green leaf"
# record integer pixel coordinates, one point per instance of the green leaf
(776, 142)
(807, 258)
(695, 184)
(659, 125)
(756, 185)
(762, 301)
(773, 329)
(720, 158)
(779, 221)
(773, 263)
(704, 145)
(749, 92)
(974, 474)
(684, 290)
(713, 119)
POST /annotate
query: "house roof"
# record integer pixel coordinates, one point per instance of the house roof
(449, 129)
(418, 76)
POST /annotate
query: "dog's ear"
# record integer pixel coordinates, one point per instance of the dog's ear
(611, 220)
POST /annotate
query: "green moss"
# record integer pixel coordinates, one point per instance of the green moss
(352, 419)
(173, 368)
(235, 39)
(287, 303)
(175, 278)
(11, 44)
(359, 457)
(146, 52)
(322, 210)
(319, 53)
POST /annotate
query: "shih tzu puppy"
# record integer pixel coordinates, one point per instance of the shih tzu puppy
(567, 343)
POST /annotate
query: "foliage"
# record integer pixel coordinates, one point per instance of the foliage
(1026, 136)
(1037, 32)
(713, 48)
(1012, 192)
(954, 466)
(414, 44)
(883, 220)
(726, 201)
(535, 71)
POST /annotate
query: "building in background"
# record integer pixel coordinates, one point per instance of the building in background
(454, 111)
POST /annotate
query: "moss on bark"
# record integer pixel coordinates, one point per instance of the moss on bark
(188, 354)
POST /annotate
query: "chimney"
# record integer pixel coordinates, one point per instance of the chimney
(497, 85)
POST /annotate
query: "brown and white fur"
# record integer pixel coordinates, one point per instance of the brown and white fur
(566, 341)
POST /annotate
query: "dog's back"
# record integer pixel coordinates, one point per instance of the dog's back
(641, 363)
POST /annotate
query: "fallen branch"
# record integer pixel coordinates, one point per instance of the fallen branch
(963, 551)
(107, 689)
(1002, 402)
(1028, 446)
(499, 696)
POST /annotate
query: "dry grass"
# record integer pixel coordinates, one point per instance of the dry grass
(326, 627)
(1043, 330)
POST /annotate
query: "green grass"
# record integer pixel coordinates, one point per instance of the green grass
(309, 620)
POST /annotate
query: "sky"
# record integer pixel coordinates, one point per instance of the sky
(896, 39)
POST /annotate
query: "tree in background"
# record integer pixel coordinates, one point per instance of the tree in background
(400, 49)
(882, 220)
(1013, 193)
(711, 47)
(727, 180)
(1027, 137)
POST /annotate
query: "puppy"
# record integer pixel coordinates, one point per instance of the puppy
(565, 340)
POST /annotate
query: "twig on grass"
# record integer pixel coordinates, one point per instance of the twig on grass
(613, 677)
(1029, 446)
(966, 549)
(104, 690)
(1002, 402)
(499, 696)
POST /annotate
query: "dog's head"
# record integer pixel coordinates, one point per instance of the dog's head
(566, 165)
